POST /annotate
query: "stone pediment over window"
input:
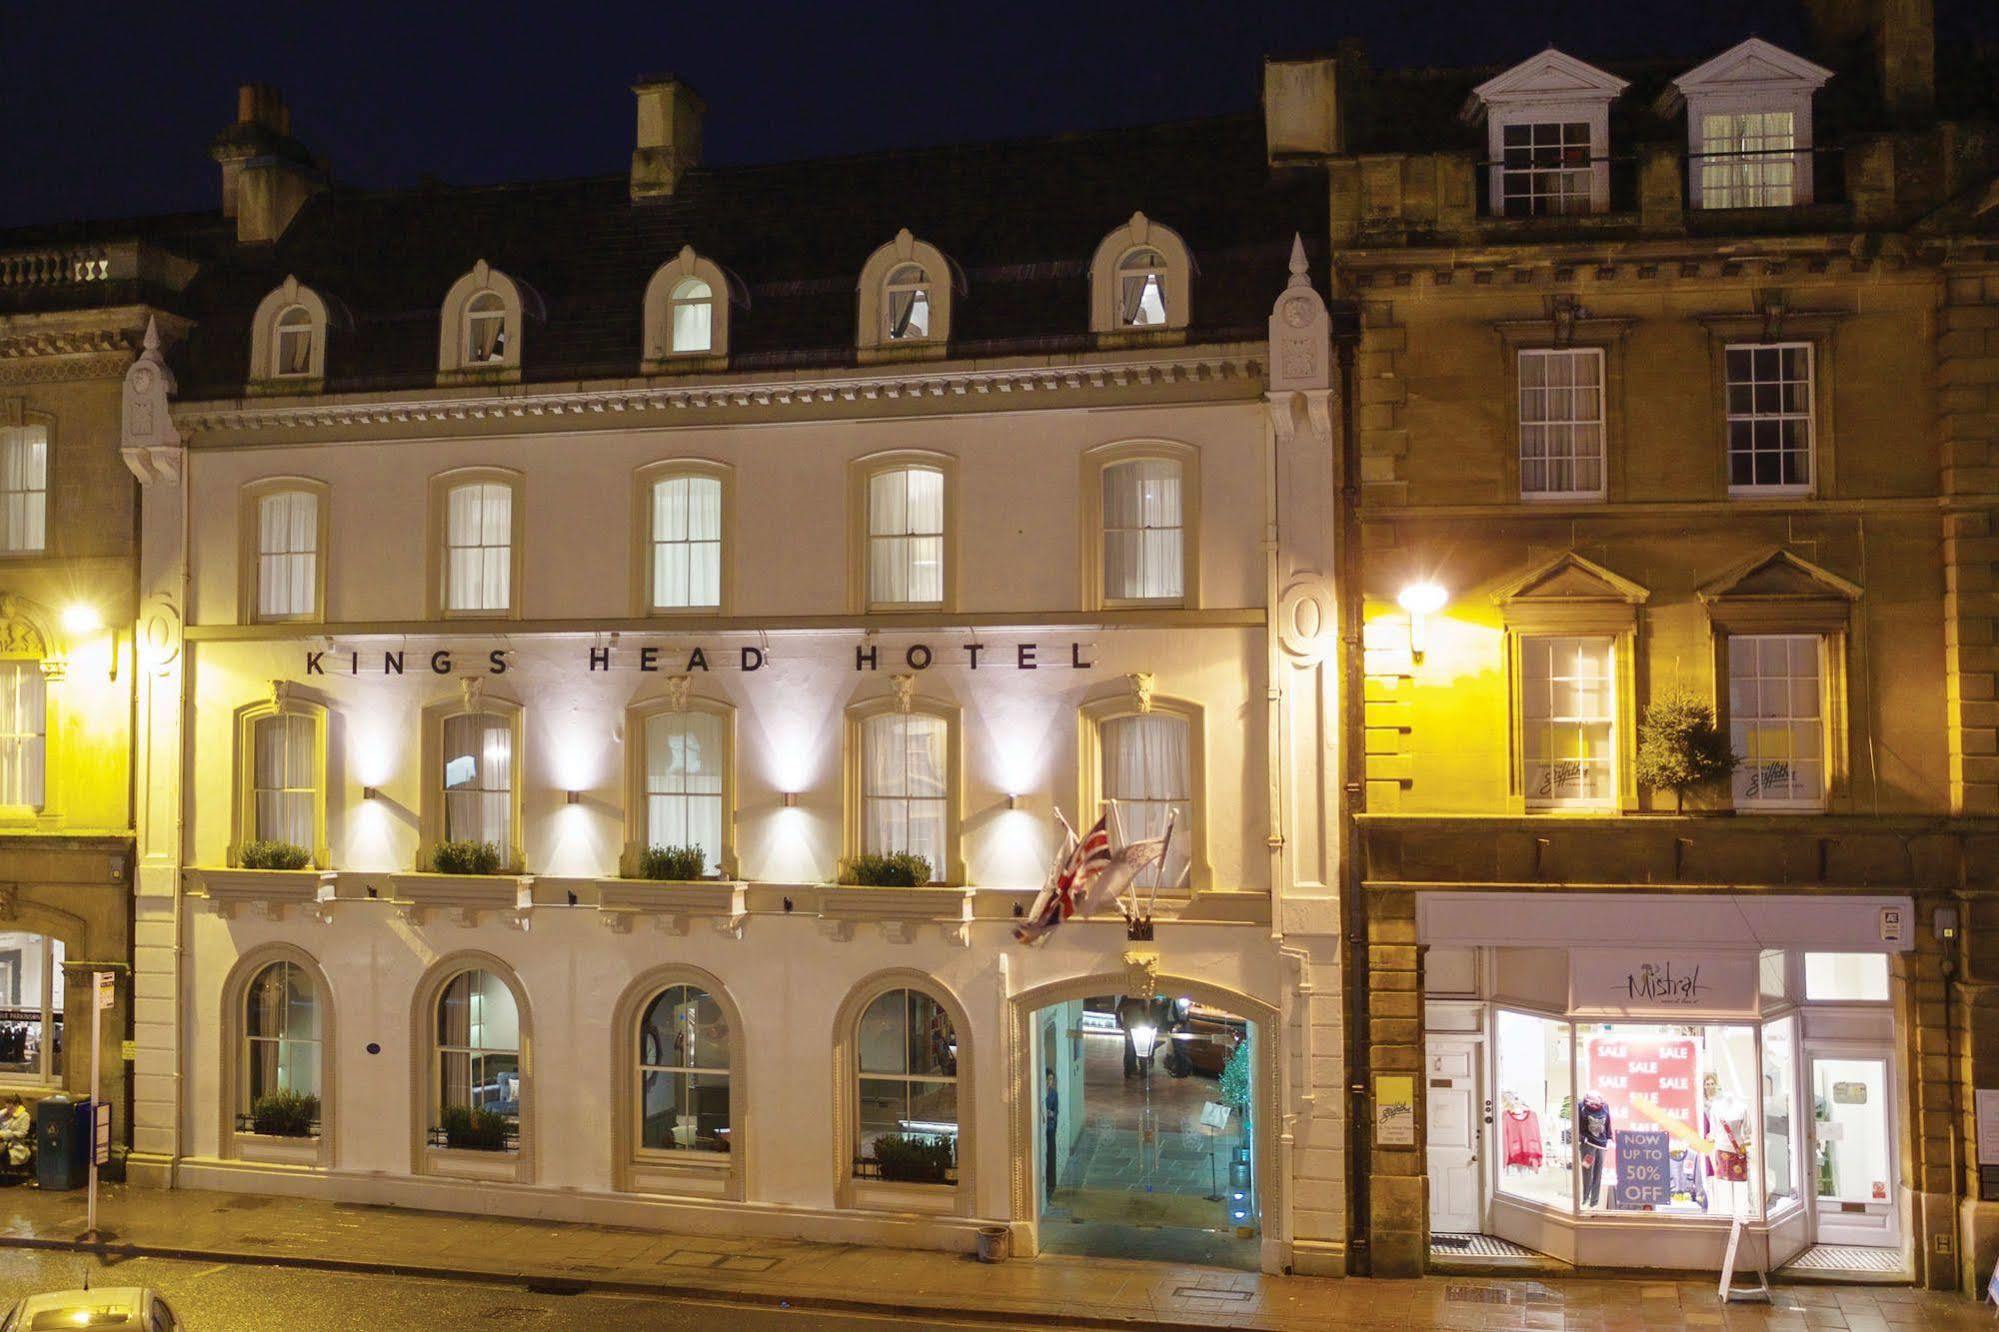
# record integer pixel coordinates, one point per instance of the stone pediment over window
(1777, 590)
(1570, 592)
(1548, 77)
(1750, 67)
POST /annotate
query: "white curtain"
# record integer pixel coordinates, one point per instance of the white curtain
(24, 482)
(906, 537)
(1141, 298)
(686, 542)
(1561, 421)
(23, 726)
(1143, 533)
(684, 770)
(479, 780)
(904, 771)
(1148, 772)
(287, 554)
(486, 329)
(908, 303)
(284, 778)
(693, 316)
(294, 352)
(1752, 163)
(479, 547)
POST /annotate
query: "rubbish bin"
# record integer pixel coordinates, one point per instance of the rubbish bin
(62, 1142)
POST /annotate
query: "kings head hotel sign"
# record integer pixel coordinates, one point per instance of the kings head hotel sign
(650, 658)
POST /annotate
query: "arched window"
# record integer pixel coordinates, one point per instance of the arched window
(906, 291)
(476, 1073)
(479, 333)
(1141, 280)
(684, 1055)
(906, 1072)
(281, 762)
(905, 560)
(292, 357)
(693, 316)
(284, 571)
(907, 304)
(31, 1021)
(1142, 289)
(485, 329)
(281, 1043)
(288, 340)
(476, 521)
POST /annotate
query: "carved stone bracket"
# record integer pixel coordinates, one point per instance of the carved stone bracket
(677, 687)
(148, 441)
(905, 691)
(1141, 683)
(1141, 973)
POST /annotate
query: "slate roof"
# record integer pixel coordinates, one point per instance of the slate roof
(1019, 219)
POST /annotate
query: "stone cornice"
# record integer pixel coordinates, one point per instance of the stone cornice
(1243, 363)
(67, 342)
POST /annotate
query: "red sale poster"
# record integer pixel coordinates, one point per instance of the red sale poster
(1657, 1072)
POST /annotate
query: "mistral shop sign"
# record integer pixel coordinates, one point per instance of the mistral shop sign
(649, 659)
(1662, 981)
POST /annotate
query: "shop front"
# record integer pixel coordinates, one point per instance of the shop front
(1615, 1080)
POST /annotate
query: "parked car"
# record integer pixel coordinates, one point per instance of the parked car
(127, 1308)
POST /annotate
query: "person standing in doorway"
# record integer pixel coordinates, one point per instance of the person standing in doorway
(1052, 1106)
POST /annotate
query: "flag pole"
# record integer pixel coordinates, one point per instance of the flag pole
(1159, 870)
(1117, 823)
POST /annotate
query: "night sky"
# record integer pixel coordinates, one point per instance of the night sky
(107, 110)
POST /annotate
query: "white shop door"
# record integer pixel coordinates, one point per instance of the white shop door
(1456, 1137)
(1852, 1162)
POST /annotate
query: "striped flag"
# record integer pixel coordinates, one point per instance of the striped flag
(1066, 883)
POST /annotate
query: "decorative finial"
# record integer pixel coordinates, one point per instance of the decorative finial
(1300, 270)
(152, 339)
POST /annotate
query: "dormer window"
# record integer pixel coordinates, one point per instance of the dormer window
(906, 291)
(1140, 280)
(288, 340)
(1749, 126)
(479, 332)
(1547, 136)
(486, 329)
(1142, 289)
(294, 350)
(693, 317)
(908, 304)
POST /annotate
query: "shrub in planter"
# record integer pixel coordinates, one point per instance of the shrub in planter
(897, 870)
(673, 862)
(284, 1114)
(1680, 748)
(916, 1158)
(473, 1128)
(273, 856)
(465, 858)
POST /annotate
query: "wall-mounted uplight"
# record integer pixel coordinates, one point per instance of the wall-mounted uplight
(572, 797)
(791, 800)
(79, 619)
(1421, 600)
(1012, 800)
(371, 793)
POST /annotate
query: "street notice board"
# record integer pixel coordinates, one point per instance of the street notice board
(101, 1131)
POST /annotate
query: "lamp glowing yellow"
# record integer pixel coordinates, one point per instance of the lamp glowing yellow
(77, 618)
(1421, 600)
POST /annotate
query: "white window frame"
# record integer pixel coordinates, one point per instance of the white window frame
(949, 867)
(485, 307)
(1809, 416)
(874, 308)
(268, 330)
(684, 720)
(1554, 724)
(1737, 723)
(656, 603)
(909, 1080)
(662, 299)
(1548, 88)
(682, 299)
(1572, 202)
(1181, 553)
(1723, 170)
(1751, 77)
(438, 1049)
(24, 505)
(1153, 271)
(901, 282)
(1173, 267)
(904, 541)
(492, 293)
(286, 328)
(245, 1097)
(1600, 422)
(725, 1074)
(442, 488)
(293, 722)
(34, 741)
(276, 554)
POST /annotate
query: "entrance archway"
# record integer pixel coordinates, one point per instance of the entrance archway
(1153, 1160)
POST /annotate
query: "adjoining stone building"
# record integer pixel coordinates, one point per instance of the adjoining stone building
(1673, 378)
(793, 514)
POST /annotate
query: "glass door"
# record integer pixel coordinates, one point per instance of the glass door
(1853, 1150)
(1784, 1146)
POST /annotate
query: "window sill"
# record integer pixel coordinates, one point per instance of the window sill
(677, 902)
(462, 1163)
(695, 1174)
(271, 1149)
(880, 1196)
(1561, 497)
(420, 892)
(899, 911)
(1771, 492)
(272, 891)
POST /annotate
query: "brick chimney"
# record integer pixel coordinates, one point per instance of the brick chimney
(1898, 38)
(669, 135)
(267, 175)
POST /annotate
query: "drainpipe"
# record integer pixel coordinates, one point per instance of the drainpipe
(1353, 908)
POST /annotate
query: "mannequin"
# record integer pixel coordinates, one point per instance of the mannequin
(1593, 1132)
(1725, 1122)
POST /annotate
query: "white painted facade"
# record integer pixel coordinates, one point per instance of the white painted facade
(1248, 658)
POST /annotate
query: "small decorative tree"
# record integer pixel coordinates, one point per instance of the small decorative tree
(1236, 1078)
(1680, 747)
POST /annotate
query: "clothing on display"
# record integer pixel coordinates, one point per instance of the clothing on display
(1726, 1122)
(1520, 1138)
(1594, 1129)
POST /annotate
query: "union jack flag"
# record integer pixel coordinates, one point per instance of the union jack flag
(1082, 861)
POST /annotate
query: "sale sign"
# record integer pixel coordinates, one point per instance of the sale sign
(1648, 1081)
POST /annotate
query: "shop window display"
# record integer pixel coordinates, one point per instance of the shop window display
(1667, 1118)
(1536, 1110)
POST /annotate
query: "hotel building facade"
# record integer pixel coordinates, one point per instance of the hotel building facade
(797, 515)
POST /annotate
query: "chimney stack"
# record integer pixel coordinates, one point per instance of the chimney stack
(669, 135)
(1898, 38)
(1301, 109)
(267, 175)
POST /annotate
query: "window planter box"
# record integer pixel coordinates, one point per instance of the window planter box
(272, 1149)
(420, 895)
(272, 892)
(899, 911)
(672, 904)
(510, 1144)
(867, 1168)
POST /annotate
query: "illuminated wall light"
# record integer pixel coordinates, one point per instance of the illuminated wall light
(371, 793)
(79, 619)
(572, 797)
(791, 800)
(1421, 600)
(1012, 800)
